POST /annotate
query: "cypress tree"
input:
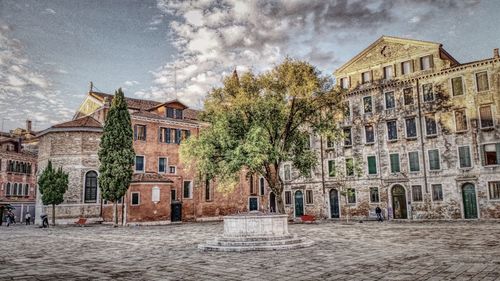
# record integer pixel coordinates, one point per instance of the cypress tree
(116, 153)
(53, 184)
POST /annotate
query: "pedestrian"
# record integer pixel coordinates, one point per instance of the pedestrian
(9, 218)
(378, 211)
(27, 218)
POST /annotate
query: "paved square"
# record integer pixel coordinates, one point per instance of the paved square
(362, 251)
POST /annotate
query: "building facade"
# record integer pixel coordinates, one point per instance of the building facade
(421, 138)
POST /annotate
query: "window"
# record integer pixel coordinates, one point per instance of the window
(178, 137)
(374, 197)
(416, 193)
(367, 104)
(208, 191)
(388, 73)
(413, 161)
(491, 154)
(347, 109)
(392, 130)
(162, 165)
(140, 132)
(170, 112)
(90, 187)
(366, 77)
(349, 166)
(434, 163)
(411, 127)
(252, 187)
(20, 189)
(464, 157)
(372, 165)
(8, 191)
(185, 134)
(406, 67)
(135, 198)
(309, 197)
(173, 194)
(329, 142)
(408, 96)
(288, 197)
(494, 189)
(460, 120)
(347, 137)
(171, 169)
(139, 163)
(178, 114)
(287, 172)
(437, 192)
(344, 83)
(457, 86)
(331, 168)
(390, 103)
(430, 126)
(26, 190)
(486, 116)
(427, 92)
(187, 190)
(155, 194)
(482, 81)
(165, 135)
(394, 159)
(369, 134)
(14, 191)
(262, 187)
(351, 196)
(425, 62)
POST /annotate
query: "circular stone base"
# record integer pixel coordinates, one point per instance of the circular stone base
(255, 244)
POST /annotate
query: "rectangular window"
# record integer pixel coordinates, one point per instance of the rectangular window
(309, 197)
(427, 92)
(369, 134)
(287, 171)
(414, 161)
(164, 135)
(178, 114)
(347, 137)
(389, 100)
(464, 157)
(349, 167)
(406, 67)
(388, 73)
(460, 120)
(173, 194)
(208, 190)
(351, 196)
(366, 77)
(288, 197)
(155, 194)
(494, 190)
(491, 154)
(331, 168)
(411, 127)
(178, 135)
(457, 86)
(262, 186)
(187, 190)
(347, 109)
(430, 126)
(392, 130)
(482, 83)
(408, 96)
(416, 193)
(140, 132)
(437, 192)
(434, 163)
(136, 199)
(425, 62)
(251, 183)
(139, 163)
(367, 104)
(172, 169)
(344, 83)
(394, 159)
(486, 116)
(170, 112)
(374, 197)
(162, 165)
(329, 142)
(372, 165)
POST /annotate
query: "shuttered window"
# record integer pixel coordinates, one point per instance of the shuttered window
(494, 190)
(437, 192)
(460, 120)
(374, 197)
(372, 165)
(490, 154)
(464, 157)
(416, 193)
(482, 81)
(139, 163)
(331, 168)
(394, 159)
(486, 116)
(414, 161)
(457, 86)
(288, 197)
(140, 132)
(434, 163)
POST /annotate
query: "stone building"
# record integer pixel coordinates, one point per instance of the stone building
(420, 138)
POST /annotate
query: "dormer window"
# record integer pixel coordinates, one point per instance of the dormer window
(425, 62)
(174, 113)
(366, 77)
(170, 112)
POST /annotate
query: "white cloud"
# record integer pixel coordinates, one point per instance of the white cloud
(130, 83)
(49, 11)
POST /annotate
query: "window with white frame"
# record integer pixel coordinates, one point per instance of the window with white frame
(486, 116)
(374, 196)
(388, 72)
(494, 190)
(490, 154)
(172, 169)
(390, 102)
(457, 86)
(482, 83)
(406, 67)
(309, 197)
(413, 161)
(155, 194)
(331, 168)
(366, 77)
(464, 157)
(367, 104)
(135, 198)
(351, 196)
(394, 161)
(430, 125)
(372, 164)
(426, 62)
(344, 83)
(187, 190)
(460, 120)
(288, 198)
(349, 167)
(411, 127)
(416, 193)
(437, 192)
(408, 96)
(140, 132)
(139, 163)
(392, 130)
(369, 134)
(162, 165)
(434, 162)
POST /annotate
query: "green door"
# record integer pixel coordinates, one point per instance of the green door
(469, 198)
(299, 203)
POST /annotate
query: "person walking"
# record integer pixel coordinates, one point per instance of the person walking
(378, 211)
(10, 215)
(27, 217)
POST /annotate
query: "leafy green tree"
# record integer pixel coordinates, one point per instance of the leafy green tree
(116, 153)
(53, 184)
(259, 122)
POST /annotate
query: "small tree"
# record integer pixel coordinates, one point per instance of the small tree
(116, 153)
(53, 184)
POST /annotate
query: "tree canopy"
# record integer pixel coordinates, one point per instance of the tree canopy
(52, 185)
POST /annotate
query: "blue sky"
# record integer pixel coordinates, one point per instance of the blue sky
(50, 50)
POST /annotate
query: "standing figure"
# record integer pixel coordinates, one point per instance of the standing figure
(27, 217)
(378, 211)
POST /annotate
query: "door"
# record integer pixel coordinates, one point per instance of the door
(272, 202)
(469, 199)
(334, 204)
(253, 204)
(399, 202)
(176, 211)
(299, 203)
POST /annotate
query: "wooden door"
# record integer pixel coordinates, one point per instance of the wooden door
(399, 202)
(334, 204)
(299, 203)
(469, 199)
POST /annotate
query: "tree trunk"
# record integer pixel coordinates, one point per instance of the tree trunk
(281, 205)
(276, 186)
(115, 214)
(123, 210)
(53, 214)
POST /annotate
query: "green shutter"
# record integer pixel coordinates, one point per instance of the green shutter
(481, 154)
(498, 153)
(372, 165)
(331, 168)
(394, 158)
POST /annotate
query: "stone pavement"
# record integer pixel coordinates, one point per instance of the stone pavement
(362, 251)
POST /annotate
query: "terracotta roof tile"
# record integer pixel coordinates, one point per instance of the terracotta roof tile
(151, 177)
(87, 122)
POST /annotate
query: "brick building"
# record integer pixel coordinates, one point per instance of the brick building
(421, 138)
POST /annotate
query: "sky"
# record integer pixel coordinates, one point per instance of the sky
(161, 49)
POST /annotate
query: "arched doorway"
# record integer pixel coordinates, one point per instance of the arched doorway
(334, 204)
(299, 203)
(272, 202)
(399, 210)
(469, 200)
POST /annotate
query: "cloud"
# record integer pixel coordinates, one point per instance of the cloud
(49, 11)
(130, 83)
(24, 92)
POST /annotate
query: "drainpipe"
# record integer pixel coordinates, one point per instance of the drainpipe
(422, 137)
(322, 170)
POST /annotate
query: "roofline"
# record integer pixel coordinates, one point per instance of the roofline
(167, 102)
(69, 129)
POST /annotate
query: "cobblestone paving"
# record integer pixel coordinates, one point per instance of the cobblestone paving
(362, 251)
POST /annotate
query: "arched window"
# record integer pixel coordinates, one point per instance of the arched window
(7, 189)
(15, 189)
(91, 187)
(26, 190)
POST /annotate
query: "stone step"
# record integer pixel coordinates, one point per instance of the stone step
(302, 244)
(256, 238)
(256, 243)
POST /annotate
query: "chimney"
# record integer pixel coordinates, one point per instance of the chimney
(28, 125)
(495, 53)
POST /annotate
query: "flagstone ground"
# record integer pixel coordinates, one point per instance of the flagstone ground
(362, 251)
